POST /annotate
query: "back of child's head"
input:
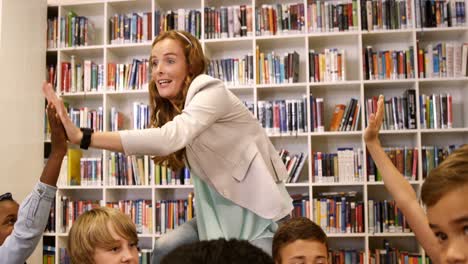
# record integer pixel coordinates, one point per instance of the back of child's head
(217, 251)
(451, 174)
(92, 229)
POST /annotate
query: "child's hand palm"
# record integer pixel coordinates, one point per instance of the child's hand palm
(375, 122)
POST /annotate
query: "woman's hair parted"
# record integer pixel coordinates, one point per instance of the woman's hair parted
(162, 109)
(451, 174)
(91, 230)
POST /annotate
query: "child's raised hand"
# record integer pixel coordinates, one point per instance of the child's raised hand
(58, 134)
(375, 122)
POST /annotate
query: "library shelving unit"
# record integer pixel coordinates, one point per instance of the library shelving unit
(353, 42)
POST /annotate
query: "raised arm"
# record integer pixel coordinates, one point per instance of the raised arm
(34, 210)
(101, 140)
(399, 187)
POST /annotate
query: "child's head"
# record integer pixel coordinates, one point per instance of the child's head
(231, 251)
(445, 194)
(8, 215)
(300, 239)
(103, 235)
(176, 59)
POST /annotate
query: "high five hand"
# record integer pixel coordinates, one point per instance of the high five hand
(74, 133)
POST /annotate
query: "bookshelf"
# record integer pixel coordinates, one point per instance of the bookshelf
(353, 42)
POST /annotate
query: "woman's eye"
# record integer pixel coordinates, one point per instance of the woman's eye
(115, 249)
(465, 229)
(171, 61)
(154, 63)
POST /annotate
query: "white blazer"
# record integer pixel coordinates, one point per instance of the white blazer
(225, 146)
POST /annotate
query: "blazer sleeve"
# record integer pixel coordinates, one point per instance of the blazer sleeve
(208, 105)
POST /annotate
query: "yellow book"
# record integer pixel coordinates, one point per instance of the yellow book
(257, 62)
(141, 170)
(74, 171)
(157, 174)
(190, 206)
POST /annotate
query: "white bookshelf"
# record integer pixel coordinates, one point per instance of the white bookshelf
(101, 51)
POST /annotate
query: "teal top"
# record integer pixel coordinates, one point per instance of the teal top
(218, 217)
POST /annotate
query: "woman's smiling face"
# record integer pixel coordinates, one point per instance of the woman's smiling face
(169, 68)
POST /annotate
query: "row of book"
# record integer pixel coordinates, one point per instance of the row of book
(81, 77)
(116, 119)
(388, 64)
(386, 14)
(432, 156)
(327, 66)
(391, 255)
(448, 13)
(123, 170)
(144, 256)
(52, 33)
(181, 19)
(283, 117)
(343, 166)
(140, 212)
(85, 117)
(399, 112)
(48, 254)
(339, 214)
(277, 19)
(172, 213)
(405, 159)
(129, 170)
(294, 164)
(75, 31)
(164, 175)
(233, 71)
(70, 211)
(128, 76)
(301, 204)
(346, 256)
(274, 68)
(130, 28)
(228, 21)
(443, 59)
(386, 217)
(272, 19)
(332, 16)
(50, 227)
(436, 111)
(344, 117)
(140, 117)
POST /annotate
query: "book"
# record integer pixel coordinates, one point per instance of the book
(74, 168)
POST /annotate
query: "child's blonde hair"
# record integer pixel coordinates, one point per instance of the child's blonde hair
(91, 230)
(451, 174)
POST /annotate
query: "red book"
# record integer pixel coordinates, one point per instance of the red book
(449, 111)
(350, 14)
(421, 63)
(415, 164)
